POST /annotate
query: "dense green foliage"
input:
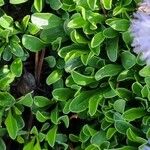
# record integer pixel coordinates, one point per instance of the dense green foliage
(92, 92)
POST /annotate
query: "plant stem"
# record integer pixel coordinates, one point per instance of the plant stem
(36, 64)
(40, 64)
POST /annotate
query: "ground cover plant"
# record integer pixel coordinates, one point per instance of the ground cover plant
(69, 79)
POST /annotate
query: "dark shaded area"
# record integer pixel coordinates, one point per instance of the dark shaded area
(17, 12)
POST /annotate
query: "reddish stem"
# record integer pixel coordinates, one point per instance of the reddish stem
(36, 64)
(40, 64)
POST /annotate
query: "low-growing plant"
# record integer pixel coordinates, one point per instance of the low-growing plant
(69, 78)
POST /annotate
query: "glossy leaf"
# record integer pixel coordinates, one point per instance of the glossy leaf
(16, 67)
(93, 104)
(107, 4)
(46, 20)
(55, 4)
(51, 136)
(112, 49)
(97, 39)
(41, 101)
(32, 43)
(54, 77)
(2, 145)
(134, 113)
(62, 94)
(128, 60)
(38, 4)
(118, 24)
(119, 105)
(80, 102)
(17, 1)
(11, 125)
(108, 71)
(82, 79)
(145, 71)
(26, 100)
(6, 99)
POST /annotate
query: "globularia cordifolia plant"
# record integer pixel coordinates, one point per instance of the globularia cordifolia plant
(69, 78)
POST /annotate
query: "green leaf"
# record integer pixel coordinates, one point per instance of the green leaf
(41, 101)
(97, 39)
(20, 121)
(26, 100)
(127, 38)
(54, 77)
(30, 145)
(45, 126)
(37, 146)
(55, 4)
(126, 75)
(16, 67)
(82, 79)
(41, 116)
(110, 133)
(11, 125)
(107, 4)
(136, 88)
(121, 126)
(93, 104)
(25, 22)
(118, 10)
(87, 130)
(65, 119)
(77, 22)
(92, 147)
(66, 109)
(46, 20)
(127, 2)
(123, 93)
(118, 24)
(62, 94)
(135, 138)
(128, 59)
(112, 49)
(133, 114)
(92, 4)
(98, 138)
(17, 1)
(108, 71)
(145, 71)
(125, 148)
(38, 4)
(32, 28)
(145, 91)
(109, 93)
(83, 137)
(6, 22)
(110, 33)
(119, 105)
(51, 60)
(2, 144)
(6, 99)
(52, 34)
(32, 43)
(7, 55)
(147, 81)
(78, 38)
(1, 4)
(80, 102)
(51, 136)
(54, 116)
(16, 49)
(73, 138)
